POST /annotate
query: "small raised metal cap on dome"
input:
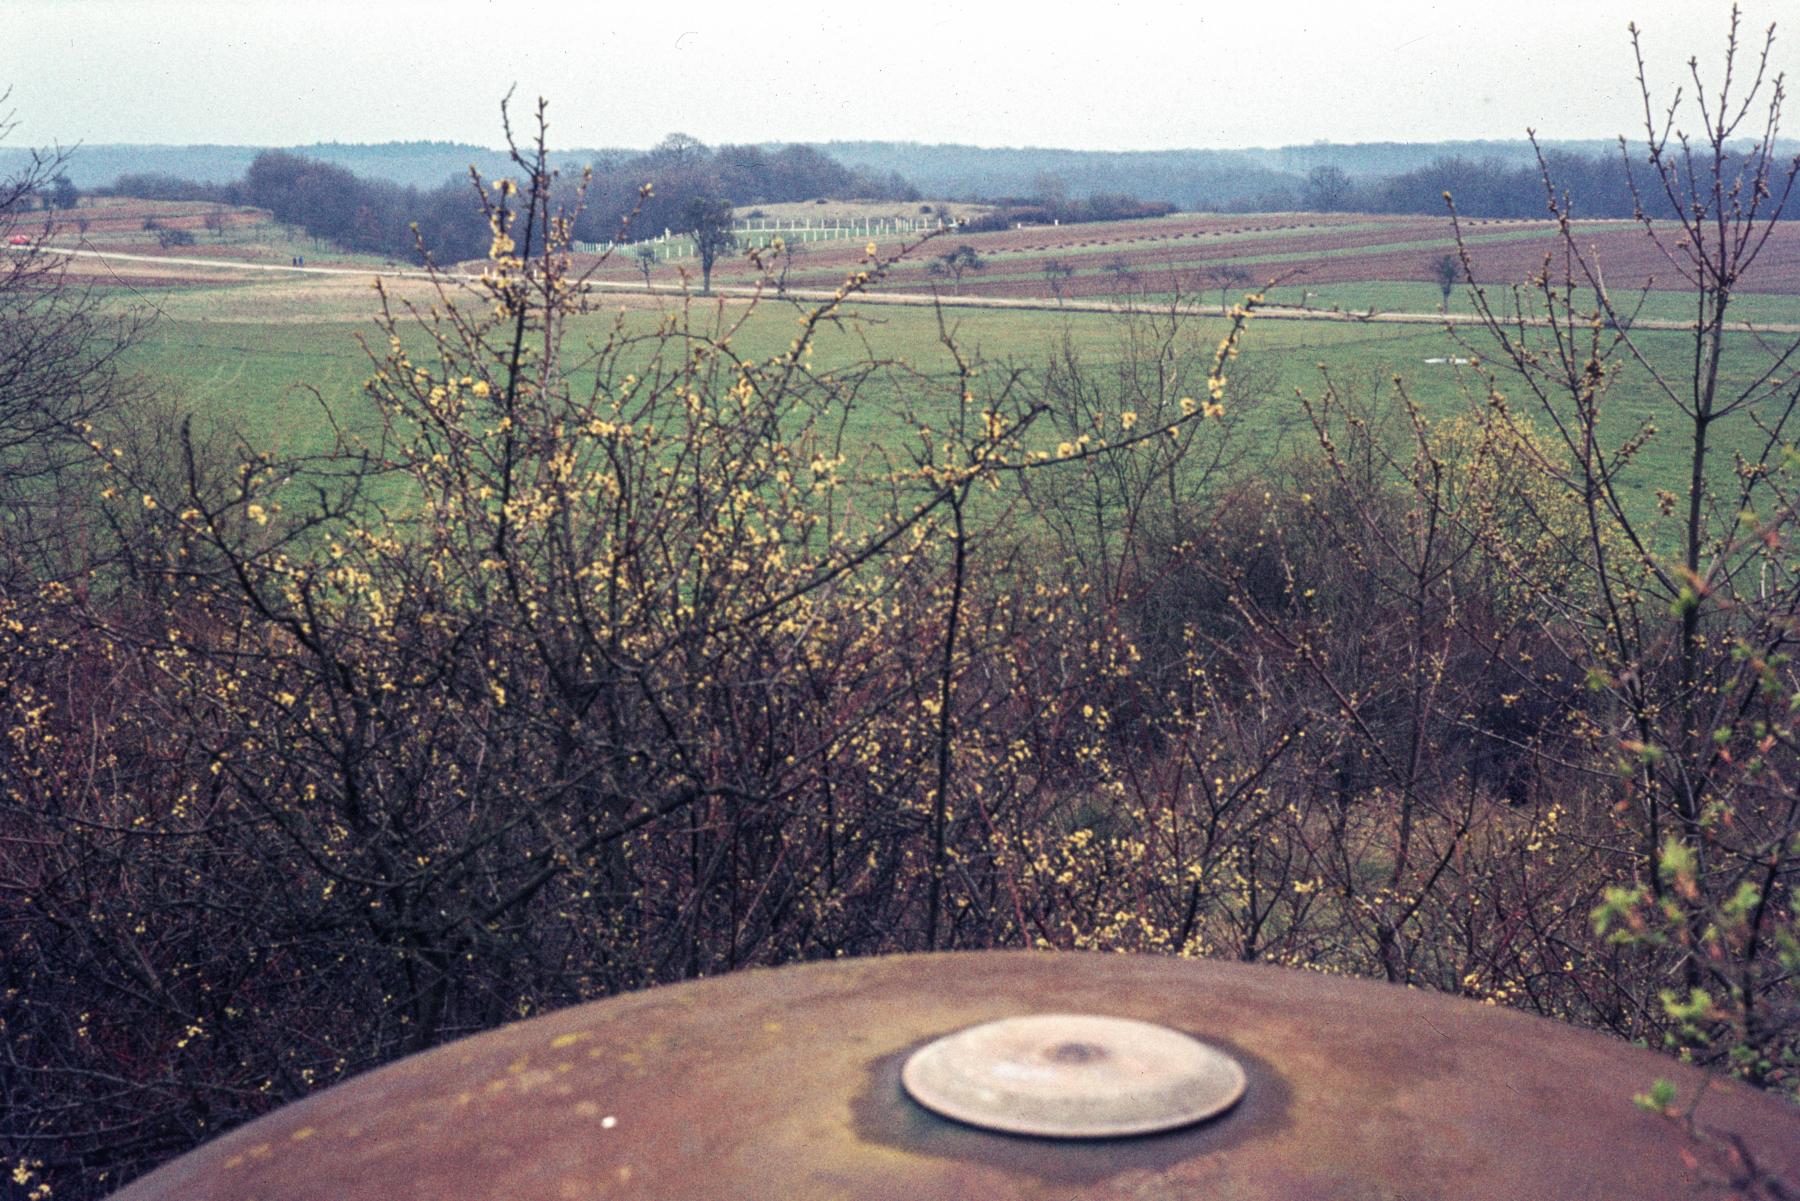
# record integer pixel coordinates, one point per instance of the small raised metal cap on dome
(1066, 1075)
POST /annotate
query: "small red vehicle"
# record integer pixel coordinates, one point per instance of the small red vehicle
(18, 240)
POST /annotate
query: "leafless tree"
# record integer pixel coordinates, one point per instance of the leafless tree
(1226, 277)
(1688, 608)
(62, 377)
(1447, 270)
(957, 263)
(708, 221)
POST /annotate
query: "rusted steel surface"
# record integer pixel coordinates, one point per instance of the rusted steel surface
(784, 1085)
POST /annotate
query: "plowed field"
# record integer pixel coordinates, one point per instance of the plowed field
(1198, 253)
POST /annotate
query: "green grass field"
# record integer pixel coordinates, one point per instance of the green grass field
(262, 358)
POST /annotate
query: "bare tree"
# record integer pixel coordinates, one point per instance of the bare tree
(709, 222)
(955, 263)
(1125, 276)
(63, 192)
(1447, 270)
(1688, 608)
(1226, 277)
(679, 150)
(790, 251)
(1327, 189)
(62, 375)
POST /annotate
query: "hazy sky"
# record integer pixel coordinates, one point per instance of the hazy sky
(1095, 75)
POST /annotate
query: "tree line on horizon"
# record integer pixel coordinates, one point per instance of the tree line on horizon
(334, 204)
(373, 215)
(1595, 186)
(377, 216)
(1488, 178)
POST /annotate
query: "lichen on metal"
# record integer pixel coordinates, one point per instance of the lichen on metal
(1064, 1075)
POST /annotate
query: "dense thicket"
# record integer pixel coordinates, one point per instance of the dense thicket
(62, 369)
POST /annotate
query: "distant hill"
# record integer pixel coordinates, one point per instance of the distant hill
(1265, 178)
(1189, 179)
(412, 164)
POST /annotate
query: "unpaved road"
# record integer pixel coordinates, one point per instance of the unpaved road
(914, 299)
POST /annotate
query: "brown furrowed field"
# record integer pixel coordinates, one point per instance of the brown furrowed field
(1356, 259)
(1195, 253)
(121, 218)
(127, 226)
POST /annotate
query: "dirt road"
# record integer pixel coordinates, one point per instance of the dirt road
(913, 299)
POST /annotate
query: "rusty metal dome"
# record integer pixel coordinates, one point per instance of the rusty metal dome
(786, 1085)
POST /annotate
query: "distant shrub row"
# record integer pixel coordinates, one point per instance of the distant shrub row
(333, 203)
(1107, 207)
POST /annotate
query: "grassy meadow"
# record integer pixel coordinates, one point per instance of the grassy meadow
(262, 357)
(259, 351)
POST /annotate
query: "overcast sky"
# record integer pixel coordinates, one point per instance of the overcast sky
(1096, 75)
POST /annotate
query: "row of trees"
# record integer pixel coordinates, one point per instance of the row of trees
(681, 170)
(688, 184)
(589, 668)
(1052, 206)
(334, 204)
(1596, 186)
